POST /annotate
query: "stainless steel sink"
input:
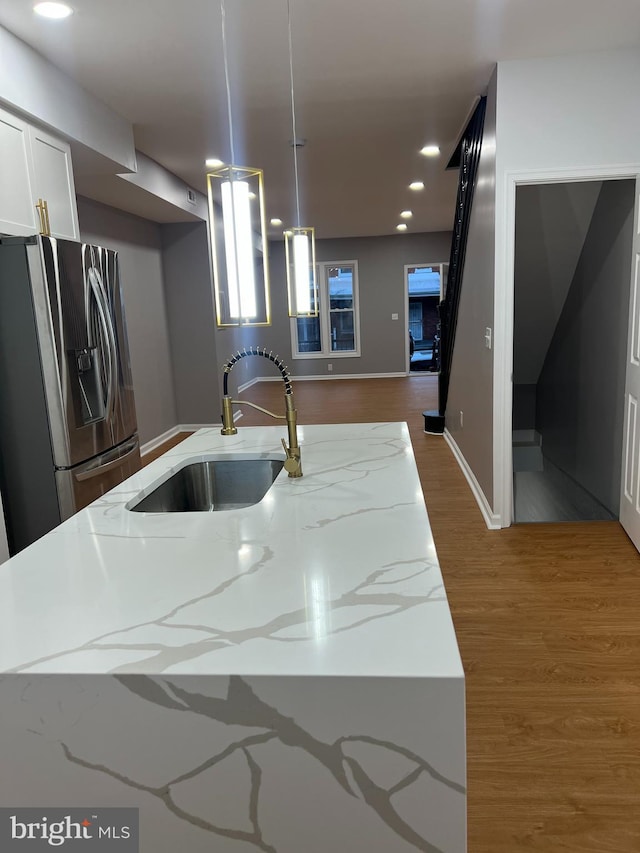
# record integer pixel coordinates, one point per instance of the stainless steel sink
(212, 485)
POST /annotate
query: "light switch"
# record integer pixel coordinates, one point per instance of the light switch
(487, 337)
(394, 316)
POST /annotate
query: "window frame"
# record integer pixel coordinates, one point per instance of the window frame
(324, 315)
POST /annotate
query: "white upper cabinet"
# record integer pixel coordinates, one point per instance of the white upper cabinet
(53, 182)
(17, 212)
(35, 169)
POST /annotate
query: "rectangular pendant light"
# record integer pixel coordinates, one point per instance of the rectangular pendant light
(300, 260)
(238, 246)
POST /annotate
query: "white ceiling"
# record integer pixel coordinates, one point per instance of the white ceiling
(374, 81)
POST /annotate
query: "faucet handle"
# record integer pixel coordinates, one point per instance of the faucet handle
(292, 462)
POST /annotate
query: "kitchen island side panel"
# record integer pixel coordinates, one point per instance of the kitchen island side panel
(241, 763)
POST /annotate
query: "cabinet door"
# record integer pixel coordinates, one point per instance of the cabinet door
(53, 182)
(17, 212)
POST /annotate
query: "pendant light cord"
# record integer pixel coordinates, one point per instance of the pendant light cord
(293, 116)
(226, 78)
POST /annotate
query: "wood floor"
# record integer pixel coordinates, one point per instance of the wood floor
(548, 623)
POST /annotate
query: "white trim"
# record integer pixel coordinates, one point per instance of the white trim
(318, 377)
(170, 433)
(503, 313)
(491, 519)
(440, 264)
(196, 427)
(251, 382)
(324, 315)
(336, 354)
(158, 440)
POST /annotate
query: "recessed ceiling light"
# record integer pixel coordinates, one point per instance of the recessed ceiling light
(56, 11)
(401, 227)
(406, 214)
(276, 222)
(213, 163)
(416, 186)
(430, 150)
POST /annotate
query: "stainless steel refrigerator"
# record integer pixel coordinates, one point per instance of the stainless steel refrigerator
(68, 429)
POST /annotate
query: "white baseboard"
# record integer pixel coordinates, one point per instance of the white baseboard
(254, 381)
(196, 427)
(170, 433)
(492, 520)
(320, 377)
(148, 446)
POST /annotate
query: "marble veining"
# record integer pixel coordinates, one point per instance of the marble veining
(311, 566)
(237, 725)
(278, 678)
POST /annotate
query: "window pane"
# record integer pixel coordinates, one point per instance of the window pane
(342, 332)
(340, 281)
(309, 334)
(415, 320)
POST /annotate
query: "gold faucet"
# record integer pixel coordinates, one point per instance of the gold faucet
(293, 462)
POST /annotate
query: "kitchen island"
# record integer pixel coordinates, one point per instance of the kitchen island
(283, 677)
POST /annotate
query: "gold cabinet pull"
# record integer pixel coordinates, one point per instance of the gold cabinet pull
(43, 212)
(40, 209)
(46, 219)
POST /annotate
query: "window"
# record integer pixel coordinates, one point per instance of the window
(335, 331)
(425, 288)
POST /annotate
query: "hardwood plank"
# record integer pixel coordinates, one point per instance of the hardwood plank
(546, 617)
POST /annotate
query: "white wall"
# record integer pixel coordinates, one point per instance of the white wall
(471, 381)
(139, 245)
(563, 118)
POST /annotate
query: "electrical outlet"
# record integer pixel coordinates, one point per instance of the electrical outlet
(461, 418)
(191, 196)
(487, 337)
(329, 367)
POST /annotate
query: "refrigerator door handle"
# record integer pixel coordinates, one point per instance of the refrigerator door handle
(107, 466)
(107, 331)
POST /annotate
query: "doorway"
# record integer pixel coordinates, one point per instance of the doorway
(425, 286)
(572, 271)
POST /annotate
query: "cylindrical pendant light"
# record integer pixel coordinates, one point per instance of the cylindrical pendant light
(300, 259)
(238, 234)
(299, 242)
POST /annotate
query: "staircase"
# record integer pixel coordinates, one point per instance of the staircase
(527, 450)
(469, 157)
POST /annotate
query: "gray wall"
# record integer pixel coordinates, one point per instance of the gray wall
(581, 389)
(139, 245)
(471, 382)
(381, 262)
(191, 322)
(551, 224)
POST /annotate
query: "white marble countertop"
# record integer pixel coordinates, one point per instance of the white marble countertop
(331, 574)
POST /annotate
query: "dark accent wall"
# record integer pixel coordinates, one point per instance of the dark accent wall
(581, 388)
(524, 406)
